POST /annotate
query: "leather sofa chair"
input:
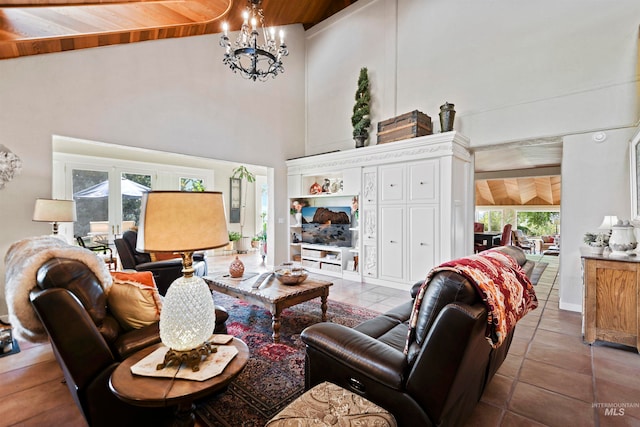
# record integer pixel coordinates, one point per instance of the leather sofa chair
(448, 365)
(164, 272)
(89, 343)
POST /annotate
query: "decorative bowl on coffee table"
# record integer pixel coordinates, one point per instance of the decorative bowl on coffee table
(290, 275)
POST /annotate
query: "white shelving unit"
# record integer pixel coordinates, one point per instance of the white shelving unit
(327, 189)
(323, 259)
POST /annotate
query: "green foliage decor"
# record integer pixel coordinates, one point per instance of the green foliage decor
(361, 110)
(234, 235)
(241, 172)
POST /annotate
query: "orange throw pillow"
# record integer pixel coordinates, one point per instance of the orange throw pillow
(134, 299)
(163, 256)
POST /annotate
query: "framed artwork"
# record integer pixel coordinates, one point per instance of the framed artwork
(235, 188)
(635, 176)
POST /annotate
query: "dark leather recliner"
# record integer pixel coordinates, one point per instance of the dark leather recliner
(164, 272)
(89, 343)
(449, 362)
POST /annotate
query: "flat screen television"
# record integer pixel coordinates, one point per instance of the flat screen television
(326, 225)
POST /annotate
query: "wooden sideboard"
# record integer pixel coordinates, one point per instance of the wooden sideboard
(611, 299)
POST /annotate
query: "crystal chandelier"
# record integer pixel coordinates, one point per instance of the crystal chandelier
(253, 60)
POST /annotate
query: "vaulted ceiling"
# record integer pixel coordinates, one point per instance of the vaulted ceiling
(31, 27)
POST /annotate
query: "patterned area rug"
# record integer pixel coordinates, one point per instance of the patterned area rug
(536, 274)
(274, 374)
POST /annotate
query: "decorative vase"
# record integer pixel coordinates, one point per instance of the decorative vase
(622, 239)
(236, 269)
(298, 217)
(447, 114)
(360, 139)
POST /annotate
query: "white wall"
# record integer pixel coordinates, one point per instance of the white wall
(514, 70)
(171, 95)
(596, 182)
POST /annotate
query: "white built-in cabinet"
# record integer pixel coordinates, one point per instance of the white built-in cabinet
(415, 204)
(408, 209)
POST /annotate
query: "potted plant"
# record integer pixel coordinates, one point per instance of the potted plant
(360, 119)
(242, 173)
(596, 242)
(234, 236)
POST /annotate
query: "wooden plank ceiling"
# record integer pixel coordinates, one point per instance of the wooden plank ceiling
(532, 183)
(531, 191)
(31, 27)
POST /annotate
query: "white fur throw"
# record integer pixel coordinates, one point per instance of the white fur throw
(22, 261)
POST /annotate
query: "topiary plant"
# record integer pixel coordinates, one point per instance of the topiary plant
(361, 110)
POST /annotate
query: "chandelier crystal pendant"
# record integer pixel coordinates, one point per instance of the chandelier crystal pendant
(253, 60)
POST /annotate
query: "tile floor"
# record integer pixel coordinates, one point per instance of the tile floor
(550, 377)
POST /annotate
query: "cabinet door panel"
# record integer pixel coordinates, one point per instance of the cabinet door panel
(370, 261)
(392, 184)
(369, 186)
(392, 251)
(424, 181)
(369, 223)
(423, 241)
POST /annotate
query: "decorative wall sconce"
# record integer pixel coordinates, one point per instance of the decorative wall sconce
(10, 166)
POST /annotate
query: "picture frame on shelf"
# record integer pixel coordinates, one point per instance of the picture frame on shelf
(351, 266)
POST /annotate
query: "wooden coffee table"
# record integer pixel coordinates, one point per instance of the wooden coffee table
(160, 392)
(273, 295)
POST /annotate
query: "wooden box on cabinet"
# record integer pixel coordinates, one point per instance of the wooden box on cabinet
(404, 126)
(611, 300)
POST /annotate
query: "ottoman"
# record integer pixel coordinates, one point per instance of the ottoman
(330, 405)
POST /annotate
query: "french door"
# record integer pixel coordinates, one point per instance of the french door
(107, 200)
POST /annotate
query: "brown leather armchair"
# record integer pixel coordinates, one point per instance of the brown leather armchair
(164, 272)
(448, 365)
(89, 343)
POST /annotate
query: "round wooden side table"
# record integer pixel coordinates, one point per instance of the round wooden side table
(160, 392)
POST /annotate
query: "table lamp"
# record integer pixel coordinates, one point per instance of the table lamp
(54, 211)
(184, 222)
(608, 222)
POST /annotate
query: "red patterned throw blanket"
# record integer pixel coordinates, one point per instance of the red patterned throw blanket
(503, 285)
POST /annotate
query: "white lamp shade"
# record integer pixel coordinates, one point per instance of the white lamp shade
(608, 222)
(179, 221)
(52, 210)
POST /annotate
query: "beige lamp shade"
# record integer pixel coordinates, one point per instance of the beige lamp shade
(52, 210)
(179, 221)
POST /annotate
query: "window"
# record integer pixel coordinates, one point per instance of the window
(191, 184)
(538, 223)
(492, 219)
